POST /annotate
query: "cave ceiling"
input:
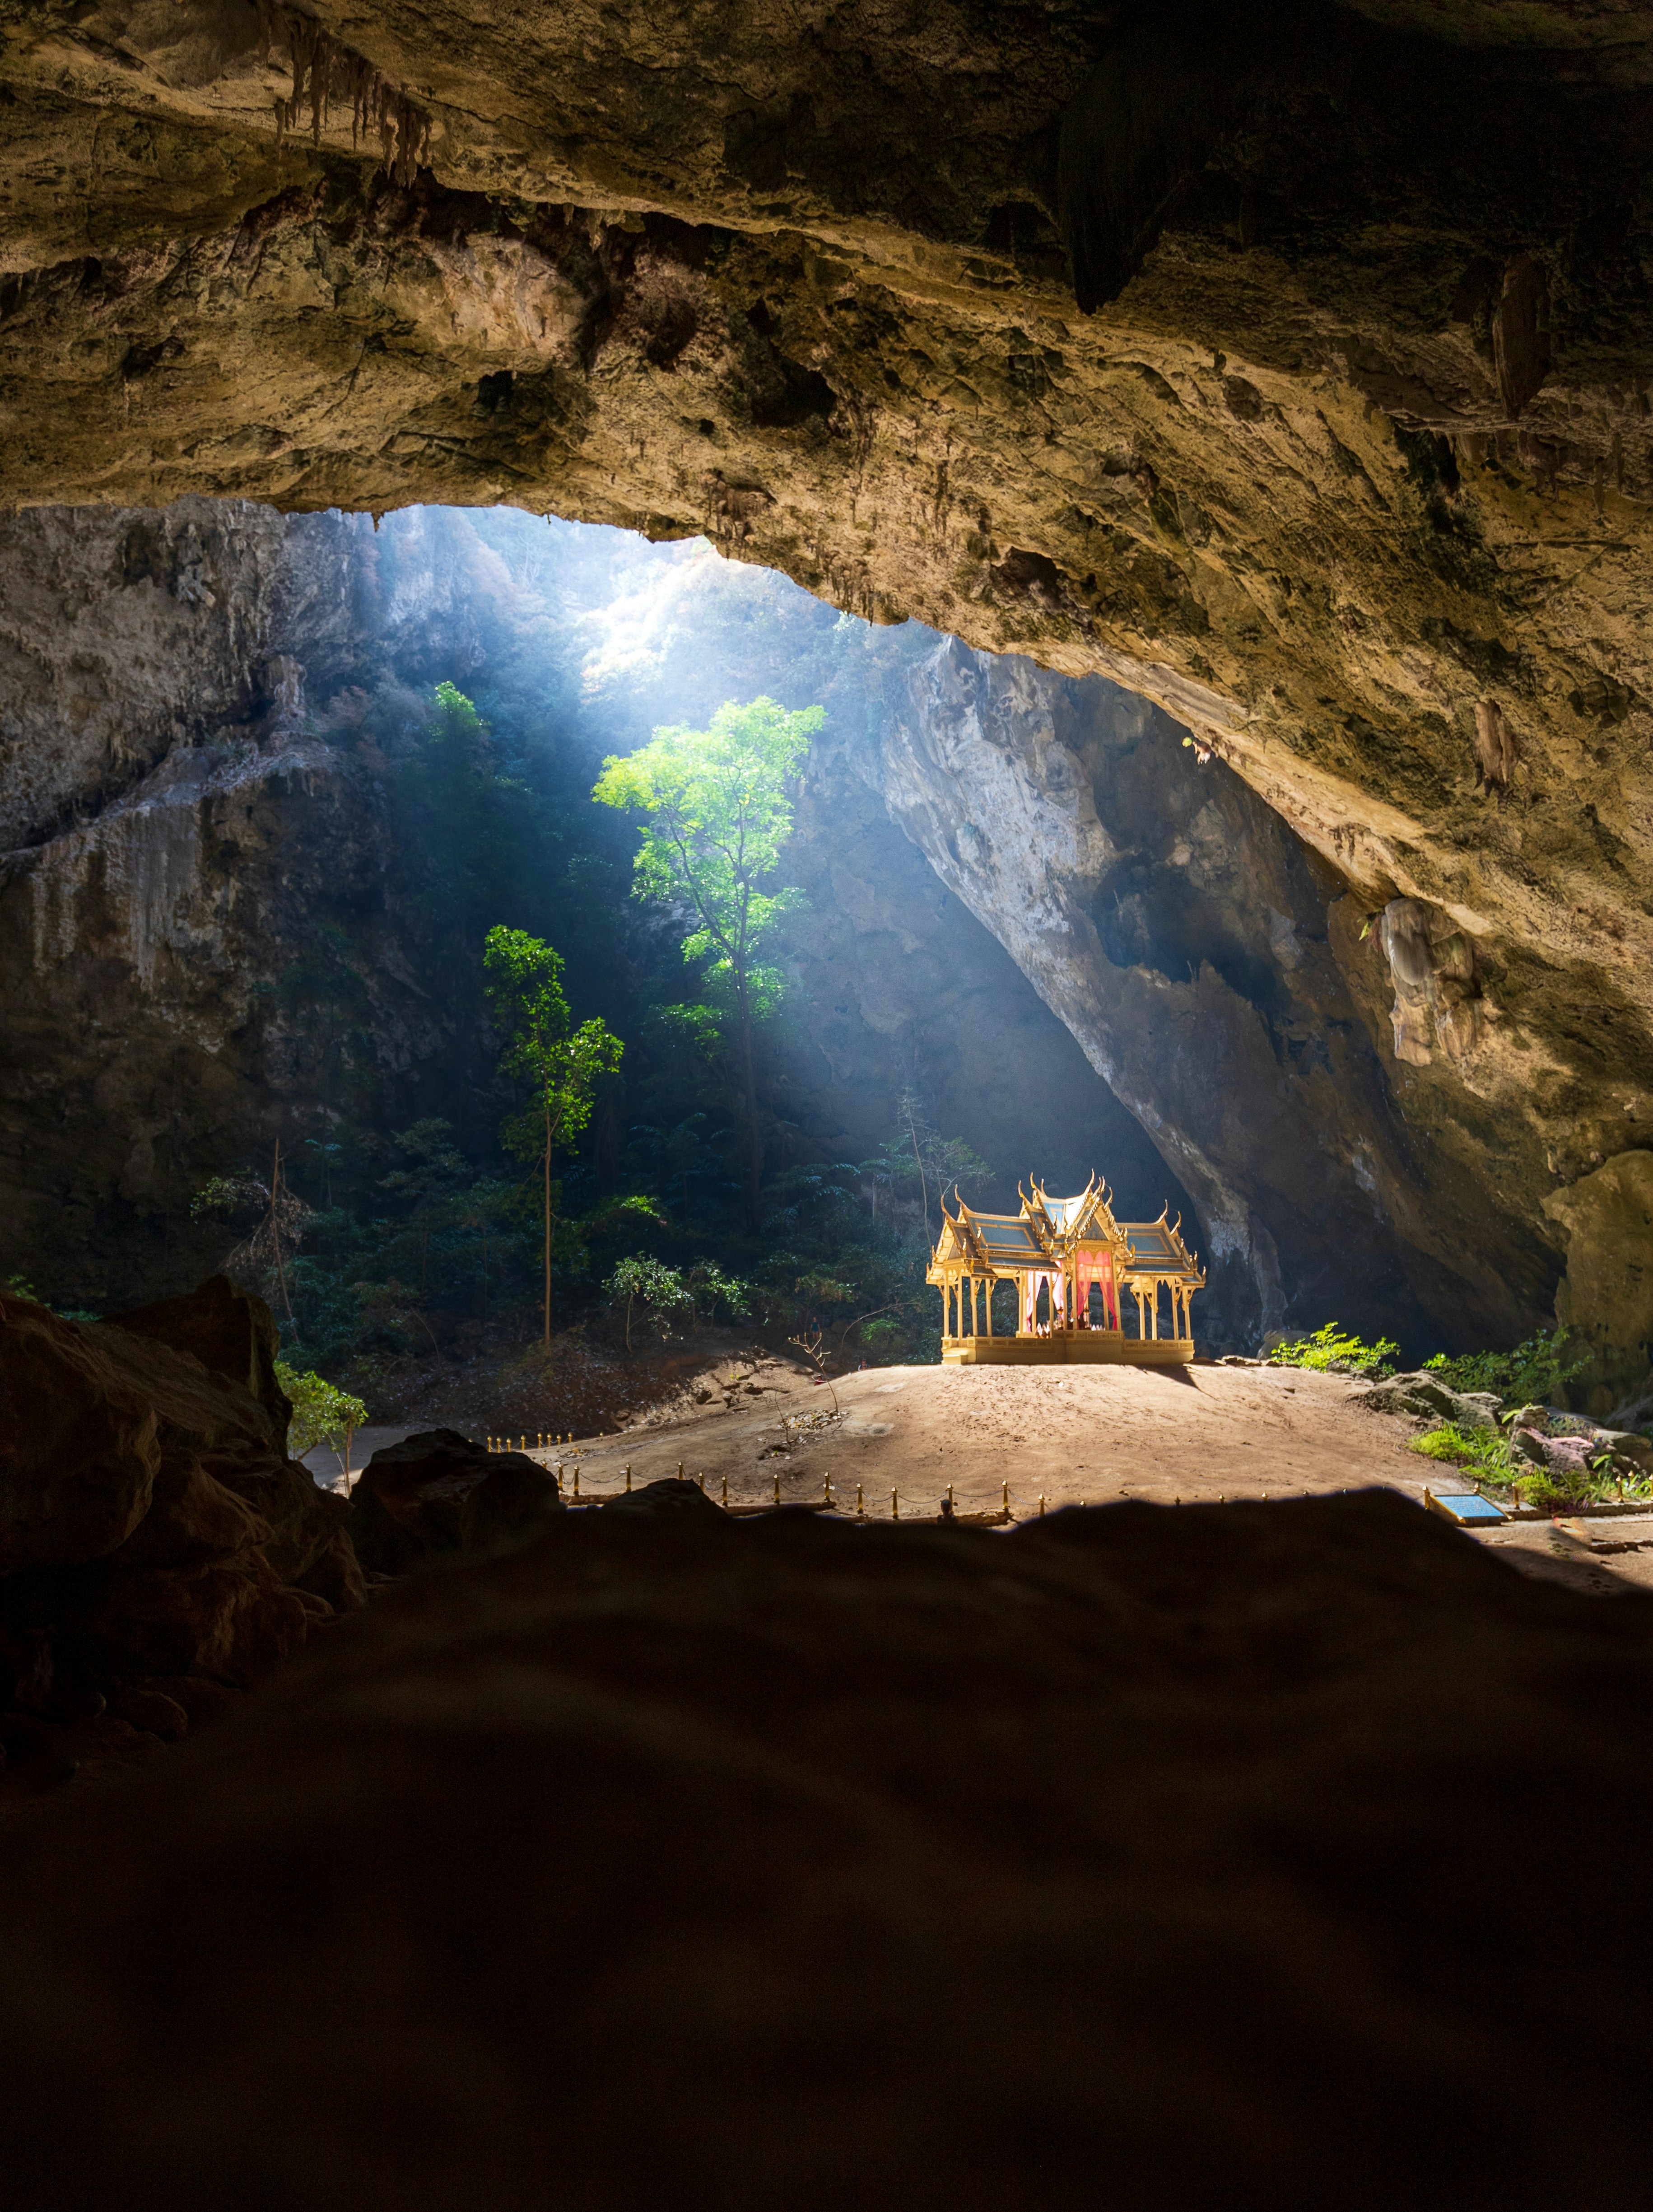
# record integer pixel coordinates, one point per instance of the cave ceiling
(1295, 375)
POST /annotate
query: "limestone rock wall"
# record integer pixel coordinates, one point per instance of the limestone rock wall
(202, 840)
(1295, 376)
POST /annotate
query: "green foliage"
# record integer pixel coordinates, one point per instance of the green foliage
(717, 814)
(1482, 1452)
(478, 831)
(1331, 1350)
(641, 1284)
(709, 1290)
(1534, 1372)
(1561, 1489)
(322, 1414)
(20, 1288)
(665, 1294)
(561, 1073)
(228, 1195)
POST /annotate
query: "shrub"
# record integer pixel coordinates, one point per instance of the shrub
(650, 1284)
(1482, 1452)
(1330, 1351)
(322, 1414)
(1533, 1372)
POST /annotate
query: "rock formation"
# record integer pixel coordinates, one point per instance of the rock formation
(1207, 1858)
(210, 935)
(439, 1496)
(1297, 381)
(152, 1528)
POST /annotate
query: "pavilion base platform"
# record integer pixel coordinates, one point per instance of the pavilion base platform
(1067, 1347)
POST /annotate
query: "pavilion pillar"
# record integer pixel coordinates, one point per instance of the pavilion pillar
(991, 1280)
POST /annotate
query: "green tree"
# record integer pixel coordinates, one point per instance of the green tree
(718, 815)
(561, 1072)
(650, 1284)
(479, 837)
(322, 1414)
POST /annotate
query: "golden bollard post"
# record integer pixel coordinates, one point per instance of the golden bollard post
(1006, 1501)
(576, 1479)
(861, 1509)
(703, 1485)
(725, 1493)
(679, 1470)
(777, 1490)
(894, 1505)
(1041, 1505)
(628, 1475)
(826, 1492)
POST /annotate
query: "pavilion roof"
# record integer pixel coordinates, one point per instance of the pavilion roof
(1156, 1248)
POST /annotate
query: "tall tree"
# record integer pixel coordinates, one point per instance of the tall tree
(561, 1072)
(718, 814)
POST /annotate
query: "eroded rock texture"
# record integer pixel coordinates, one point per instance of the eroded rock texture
(1295, 377)
(783, 1862)
(152, 1526)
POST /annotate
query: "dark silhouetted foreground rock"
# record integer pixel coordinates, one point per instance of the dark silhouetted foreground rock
(1232, 1856)
(439, 1495)
(151, 1524)
(230, 1332)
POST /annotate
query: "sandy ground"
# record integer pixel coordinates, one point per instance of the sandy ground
(1197, 1436)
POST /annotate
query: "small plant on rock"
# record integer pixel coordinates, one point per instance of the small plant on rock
(1482, 1453)
(1332, 1351)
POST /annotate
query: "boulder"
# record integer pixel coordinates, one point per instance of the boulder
(439, 1496)
(1627, 1443)
(781, 1862)
(227, 1617)
(1425, 1397)
(669, 1498)
(231, 1332)
(150, 1521)
(234, 1336)
(80, 1446)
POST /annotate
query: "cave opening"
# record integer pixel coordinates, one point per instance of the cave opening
(1142, 513)
(311, 760)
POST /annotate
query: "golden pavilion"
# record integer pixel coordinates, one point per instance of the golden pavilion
(1071, 1262)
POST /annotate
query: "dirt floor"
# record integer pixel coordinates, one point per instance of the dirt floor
(902, 1436)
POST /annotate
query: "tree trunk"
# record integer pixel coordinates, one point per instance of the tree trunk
(754, 1142)
(548, 1232)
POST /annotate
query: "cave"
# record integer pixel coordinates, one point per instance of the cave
(1191, 474)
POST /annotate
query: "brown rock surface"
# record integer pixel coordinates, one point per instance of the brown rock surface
(1215, 1859)
(438, 1495)
(152, 1527)
(230, 1332)
(1349, 471)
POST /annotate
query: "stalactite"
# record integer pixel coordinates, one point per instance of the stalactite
(321, 67)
